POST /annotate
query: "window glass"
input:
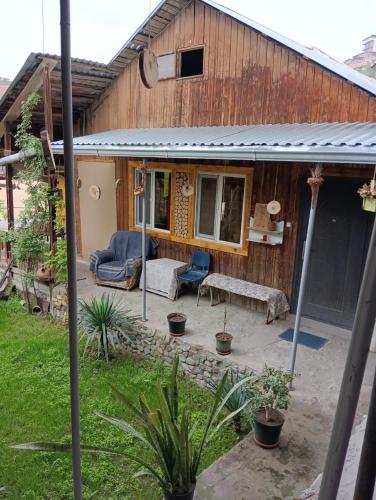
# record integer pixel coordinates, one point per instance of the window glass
(162, 191)
(207, 206)
(139, 199)
(232, 209)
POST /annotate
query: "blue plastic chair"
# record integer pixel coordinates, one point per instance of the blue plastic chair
(197, 271)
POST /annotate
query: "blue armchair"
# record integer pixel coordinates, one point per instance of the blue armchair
(197, 271)
(120, 264)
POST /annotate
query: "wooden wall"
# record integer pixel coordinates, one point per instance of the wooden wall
(248, 78)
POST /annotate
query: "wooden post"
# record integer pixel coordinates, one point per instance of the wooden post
(9, 183)
(47, 103)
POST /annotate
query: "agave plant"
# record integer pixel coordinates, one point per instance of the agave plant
(166, 432)
(106, 322)
(239, 399)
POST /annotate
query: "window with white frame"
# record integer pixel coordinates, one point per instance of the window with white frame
(158, 200)
(220, 207)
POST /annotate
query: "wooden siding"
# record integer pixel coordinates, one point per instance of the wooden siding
(248, 78)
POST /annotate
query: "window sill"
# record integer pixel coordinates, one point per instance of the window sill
(210, 245)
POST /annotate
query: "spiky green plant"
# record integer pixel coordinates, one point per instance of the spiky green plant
(105, 321)
(165, 432)
(240, 398)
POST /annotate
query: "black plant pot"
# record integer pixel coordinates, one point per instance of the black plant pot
(223, 343)
(267, 433)
(176, 324)
(179, 496)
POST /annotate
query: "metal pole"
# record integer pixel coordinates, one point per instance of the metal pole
(303, 278)
(66, 78)
(352, 377)
(365, 481)
(144, 197)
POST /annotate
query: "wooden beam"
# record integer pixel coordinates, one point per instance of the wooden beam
(33, 85)
(47, 103)
(9, 182)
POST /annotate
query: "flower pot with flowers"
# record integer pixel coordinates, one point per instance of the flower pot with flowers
(368, 193)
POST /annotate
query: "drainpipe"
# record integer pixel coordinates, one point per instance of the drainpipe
(144, 197)
(66, 79)
(352, 377)
(315, 181)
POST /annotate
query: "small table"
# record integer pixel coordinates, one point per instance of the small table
(275, 299)
(161, 276)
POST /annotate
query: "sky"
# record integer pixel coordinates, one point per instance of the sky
(101, 27)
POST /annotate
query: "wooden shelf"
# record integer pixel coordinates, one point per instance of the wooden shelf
(274, 237)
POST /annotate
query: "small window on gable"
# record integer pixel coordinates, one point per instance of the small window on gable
(191, 62)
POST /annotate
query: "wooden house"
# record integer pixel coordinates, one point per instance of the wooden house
(239, 114)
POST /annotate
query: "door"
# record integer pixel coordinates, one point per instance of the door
(97, 213)
(340, 242)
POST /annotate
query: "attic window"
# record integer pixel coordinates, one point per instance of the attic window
(191, 62)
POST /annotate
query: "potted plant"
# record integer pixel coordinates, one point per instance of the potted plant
(176, 323)
(368, 193)
(270, 394)
(167, 432)
(223, 339)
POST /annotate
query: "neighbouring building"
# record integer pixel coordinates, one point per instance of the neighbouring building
(240, 113)
(365, 61)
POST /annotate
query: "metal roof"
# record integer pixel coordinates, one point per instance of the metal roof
(166, 11)
(327, 142)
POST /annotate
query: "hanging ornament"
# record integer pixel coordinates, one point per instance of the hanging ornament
(140, 189)
(187, 190)
(95, 192)
(274, 207)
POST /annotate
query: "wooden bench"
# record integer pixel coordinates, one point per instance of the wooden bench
(276, 301)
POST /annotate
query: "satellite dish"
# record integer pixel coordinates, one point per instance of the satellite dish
(187, 190)
(273, 207)
(148, 67)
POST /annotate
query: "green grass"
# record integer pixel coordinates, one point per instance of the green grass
(35, 406)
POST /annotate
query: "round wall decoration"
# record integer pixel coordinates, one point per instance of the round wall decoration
(95, 192)
(148, 67)
(273, 207)
(187, 190)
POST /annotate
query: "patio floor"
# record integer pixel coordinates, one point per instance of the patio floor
(248, 472)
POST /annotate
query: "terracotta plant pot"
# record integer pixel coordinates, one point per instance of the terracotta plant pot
(223, 343)
(179, 496)
(176, 324)
(267, 433)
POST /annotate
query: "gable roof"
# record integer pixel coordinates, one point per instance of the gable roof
(167, 10)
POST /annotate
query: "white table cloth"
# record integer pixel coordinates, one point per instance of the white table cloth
(161, 276)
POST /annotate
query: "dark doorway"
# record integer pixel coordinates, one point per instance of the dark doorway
(340, 242)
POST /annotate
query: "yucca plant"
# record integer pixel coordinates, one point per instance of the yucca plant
(106, 322)
(239, 399)
(167, 433)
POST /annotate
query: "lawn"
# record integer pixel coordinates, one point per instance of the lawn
(34, 406)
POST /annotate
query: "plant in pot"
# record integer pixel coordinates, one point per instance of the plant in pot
(176, 323)
(368, 193)
(167, 434)
(105, 322)
(270, 394)
(239, 399)
(223, 339)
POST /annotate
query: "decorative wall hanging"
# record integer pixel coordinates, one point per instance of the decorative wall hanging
(187, 190)
(274, 207)
(95, 192)
(79, 183)
(368, 193)
(315, 182)
(140, 189)
(181, 206)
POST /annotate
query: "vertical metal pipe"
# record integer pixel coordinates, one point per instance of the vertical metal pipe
(365, 481)
(303, 281)
(144, 198)
(66, 78)
(352, 377)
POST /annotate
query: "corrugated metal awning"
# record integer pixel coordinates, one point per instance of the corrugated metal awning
(324, 142)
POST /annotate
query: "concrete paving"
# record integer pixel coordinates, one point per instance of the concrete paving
(248, 472)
